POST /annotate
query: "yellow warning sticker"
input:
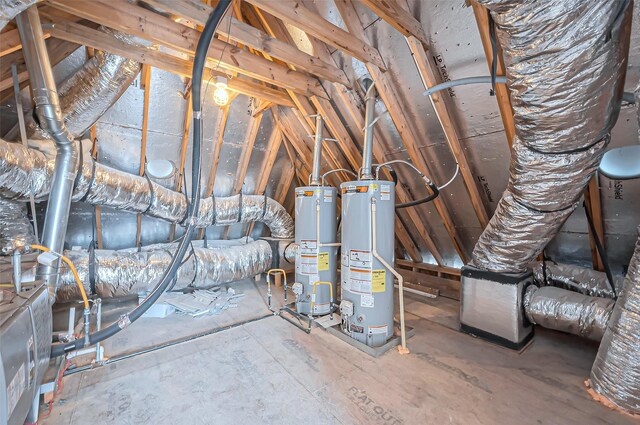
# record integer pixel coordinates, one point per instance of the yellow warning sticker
(378, 278)
(323, 261)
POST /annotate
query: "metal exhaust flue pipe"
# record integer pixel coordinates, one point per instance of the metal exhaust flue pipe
(50, 117)
(367, 153)
(317, 152)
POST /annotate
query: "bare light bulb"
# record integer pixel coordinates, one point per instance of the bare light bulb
(221, 94)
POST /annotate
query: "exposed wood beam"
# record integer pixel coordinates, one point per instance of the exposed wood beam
(145, 82)
(10, 41)
(594, 204)
(430, 267)
(295, 13)
(394, 14)
(218, 139)
(80, 34)
(57, 50)
(430, 79)
(399, 116)
(284, 185)
(447, 288)
(93, 132)
(502, 93)
(247, 148)
(233, 29)
(303, 152)
(186, 127)
(123, 16)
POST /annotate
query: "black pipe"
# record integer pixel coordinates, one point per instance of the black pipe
(196, 78)
(601, 251)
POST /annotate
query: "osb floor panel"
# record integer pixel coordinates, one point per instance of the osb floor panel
(269, 372)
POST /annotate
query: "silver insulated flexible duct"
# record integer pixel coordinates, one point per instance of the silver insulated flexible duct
(22, 169)
(16, 230)
(9, 9)
(616, 371)
(568, 311)
(565, 64)
(124, 272)
(578, 279)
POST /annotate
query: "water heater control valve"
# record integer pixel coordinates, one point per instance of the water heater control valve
(297, 288)
(346, 308)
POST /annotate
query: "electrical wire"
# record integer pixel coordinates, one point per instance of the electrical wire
(69, 263)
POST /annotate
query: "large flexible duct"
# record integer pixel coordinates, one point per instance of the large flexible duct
(615, 375)
(565, 65)
(22, 169)
(568, 311)
(578, 279)
(16, 230)
(128, 271)
(9, 9)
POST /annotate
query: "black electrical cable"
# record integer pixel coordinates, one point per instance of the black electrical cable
(601, 250)
(196, 78)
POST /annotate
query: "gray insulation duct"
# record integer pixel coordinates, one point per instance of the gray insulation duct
(9, 9)
(616, 371)
(568, 311)
(578, 279)
(565, 64)
(124, 272)
(16, 230)
(22, 168)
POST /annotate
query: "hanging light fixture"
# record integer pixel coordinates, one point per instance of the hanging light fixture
(221, 94)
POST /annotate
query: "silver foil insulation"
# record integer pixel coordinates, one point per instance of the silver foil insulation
(616, 371)
(22, 169)
(578, 279)
(565, 65)
(124, 272)
(568, 311)
(9, 9)
(16, 230)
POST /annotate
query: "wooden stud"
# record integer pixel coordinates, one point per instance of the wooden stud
(80, 34)
(145, 83)
(124, 16)
(445, 117)
(398, 115)
(236, 30)
(594, 204)
(502, 93)
(399, 18)
(313, 24)
(94, 154)
(186, 126)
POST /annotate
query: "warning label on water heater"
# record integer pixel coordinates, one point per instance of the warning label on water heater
(308, 257)
(360, 271)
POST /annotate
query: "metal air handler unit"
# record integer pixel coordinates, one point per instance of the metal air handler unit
(367, 286)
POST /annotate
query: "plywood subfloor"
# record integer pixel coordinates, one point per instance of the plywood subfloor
(269, 372)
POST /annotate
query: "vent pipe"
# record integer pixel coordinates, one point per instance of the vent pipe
(50, 116)
(317, 152)
(367, 152)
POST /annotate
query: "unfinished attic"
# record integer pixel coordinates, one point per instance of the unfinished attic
(319, 212)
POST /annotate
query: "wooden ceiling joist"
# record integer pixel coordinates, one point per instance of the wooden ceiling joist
(399, 18)
(233, 29)
(295, 13)
(10, 41)
(145, 84)
(126, 17)
(80, 34)
(400, 118)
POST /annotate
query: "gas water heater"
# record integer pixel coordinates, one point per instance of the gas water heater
(316, 233)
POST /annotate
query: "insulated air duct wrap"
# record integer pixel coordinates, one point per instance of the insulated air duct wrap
(565, 64)
(98, 184)
(567, 311)
(124, 272)
(578, 279)
(16, 230)
(9, 9)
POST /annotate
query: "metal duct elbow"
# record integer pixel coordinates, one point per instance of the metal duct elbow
(568, 311)
(565, 66)
(128, 271)
(574, 278)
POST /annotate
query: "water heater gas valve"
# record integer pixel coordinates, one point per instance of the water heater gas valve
(346, 308)
(297, 288)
